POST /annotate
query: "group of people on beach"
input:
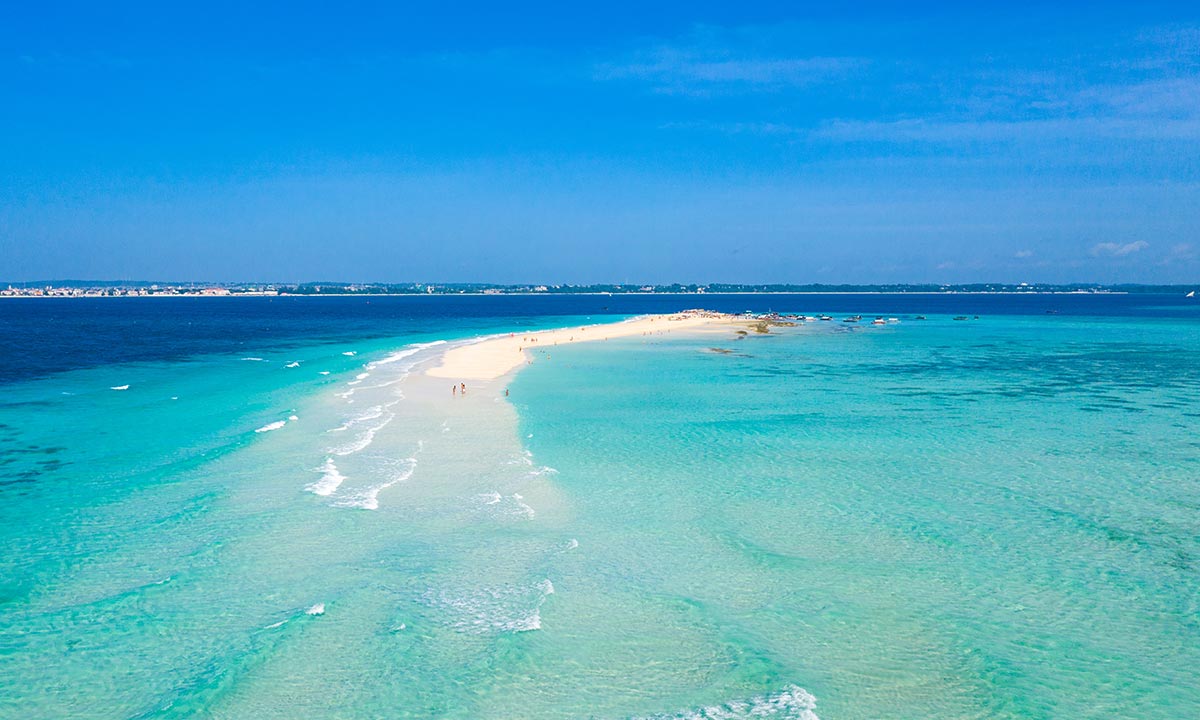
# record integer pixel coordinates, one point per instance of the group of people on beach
(461, 389)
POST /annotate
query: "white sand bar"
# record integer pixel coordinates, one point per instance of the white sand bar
(497, 356)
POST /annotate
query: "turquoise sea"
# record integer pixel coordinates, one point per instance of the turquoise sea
(995, 517)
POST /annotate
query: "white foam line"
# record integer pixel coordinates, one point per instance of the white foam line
(389, 383)
(271, 426)
(353, 389)
(359, 381)
(490, 610)
(507, 503)
(330, 480)
(364, 439)
(407, 352)
(394, 357)
(368, 499)
(522, 507)
(791, 703)
(372, 413)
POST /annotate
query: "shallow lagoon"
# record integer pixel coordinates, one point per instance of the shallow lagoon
(992, 518)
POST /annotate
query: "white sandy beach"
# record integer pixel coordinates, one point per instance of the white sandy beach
(497, 356)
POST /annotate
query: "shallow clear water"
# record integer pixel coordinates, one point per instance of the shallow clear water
(998, 518)
(938, 519)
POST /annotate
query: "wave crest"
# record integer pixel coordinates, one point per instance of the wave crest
(790, 703)
(496, 610)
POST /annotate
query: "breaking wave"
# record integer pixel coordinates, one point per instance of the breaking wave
(330, 480)
(364, 438)
(368, 498)
(790, 703)
(497, 610)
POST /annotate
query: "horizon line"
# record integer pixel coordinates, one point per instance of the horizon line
(60, 282)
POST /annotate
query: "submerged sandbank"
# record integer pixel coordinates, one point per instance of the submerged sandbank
(497, 356)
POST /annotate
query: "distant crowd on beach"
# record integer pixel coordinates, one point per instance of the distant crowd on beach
(461, 389)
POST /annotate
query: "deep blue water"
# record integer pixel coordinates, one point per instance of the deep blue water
(47, 335)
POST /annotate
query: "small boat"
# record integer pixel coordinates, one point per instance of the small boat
(853, 319)
(961, 317)
(920, 317)
(879, 321)
(1191, 294)
(826, 318)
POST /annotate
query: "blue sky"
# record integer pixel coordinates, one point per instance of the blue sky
(690, 142)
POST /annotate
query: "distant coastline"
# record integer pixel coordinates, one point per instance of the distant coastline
(552, 294)
(86, 289)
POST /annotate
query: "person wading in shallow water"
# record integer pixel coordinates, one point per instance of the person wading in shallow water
(464, 388)
(453, 389)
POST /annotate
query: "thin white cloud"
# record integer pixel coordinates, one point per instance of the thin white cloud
(1182, 251)
(1174, 97)
(1023, 254)
(1110, 249)
(673, 66)
(1001, 106)
(1170, 47)
(934, 131)
(739, 128)
(723, 60)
